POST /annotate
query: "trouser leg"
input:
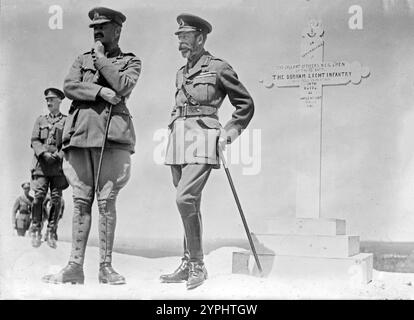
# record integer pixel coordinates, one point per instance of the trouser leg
(176, 175)
(80, 167)
(186, 255)
(190, 180)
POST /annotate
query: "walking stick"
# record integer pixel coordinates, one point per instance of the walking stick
(246, 227)
(98, 173)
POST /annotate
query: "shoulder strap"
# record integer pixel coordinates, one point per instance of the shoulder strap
(204, 67)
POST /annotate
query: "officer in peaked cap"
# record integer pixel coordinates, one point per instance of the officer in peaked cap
(102, 15)
(98, 78)
(22, 209)
(201, 87)
(47, 170)
(54, 93)
(189, 22)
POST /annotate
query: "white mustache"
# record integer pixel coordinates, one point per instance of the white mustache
(184, 46)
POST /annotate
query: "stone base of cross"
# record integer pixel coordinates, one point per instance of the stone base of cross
(309, 245)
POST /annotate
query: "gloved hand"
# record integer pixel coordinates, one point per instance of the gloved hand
(56, 156)
(222, 142)
(109, 95)
(49, 158)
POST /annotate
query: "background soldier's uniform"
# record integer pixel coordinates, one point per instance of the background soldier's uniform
(195, 128)
(47, 137)
(82, 140)
(21, 214)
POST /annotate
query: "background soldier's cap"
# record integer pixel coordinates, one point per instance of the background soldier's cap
(26, 185)
(189, 22)
(53, 93)
(101, 15)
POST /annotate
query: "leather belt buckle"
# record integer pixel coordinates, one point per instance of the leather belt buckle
(185, 111)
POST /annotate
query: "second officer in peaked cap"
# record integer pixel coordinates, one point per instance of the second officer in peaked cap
(189, 23)
(202, 84)
(47, 172)
(53, 92)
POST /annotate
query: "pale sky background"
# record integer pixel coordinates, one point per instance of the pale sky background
(368, 173)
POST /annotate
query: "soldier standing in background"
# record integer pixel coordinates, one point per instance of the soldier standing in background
(47, 170)
(201, 86)
(22, 210)
(98, 78)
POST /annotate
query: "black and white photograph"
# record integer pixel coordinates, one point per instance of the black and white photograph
(207, 150)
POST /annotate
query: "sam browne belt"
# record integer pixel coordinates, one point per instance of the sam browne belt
(193, 111)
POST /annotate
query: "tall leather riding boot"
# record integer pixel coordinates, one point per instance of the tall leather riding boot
(81, 225)
(72, 273)
(52, 223)
(37, 213)
(35, 231)
(107, 224)
(193, 234)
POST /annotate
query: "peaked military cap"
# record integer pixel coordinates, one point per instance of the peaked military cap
(53, 92)
(25, 185)
(189, 22)
(101, 15)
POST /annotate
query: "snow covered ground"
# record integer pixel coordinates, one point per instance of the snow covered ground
(21, 268)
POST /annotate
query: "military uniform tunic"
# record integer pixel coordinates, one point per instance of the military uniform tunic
(193, 139)
(85, 126)
(22, 210)
(47, 137)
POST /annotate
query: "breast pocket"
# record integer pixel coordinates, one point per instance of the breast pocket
(58, 134)
(44, 132)
(89, 74)
(204, 88)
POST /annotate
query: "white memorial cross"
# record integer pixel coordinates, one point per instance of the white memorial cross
(311, 74)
